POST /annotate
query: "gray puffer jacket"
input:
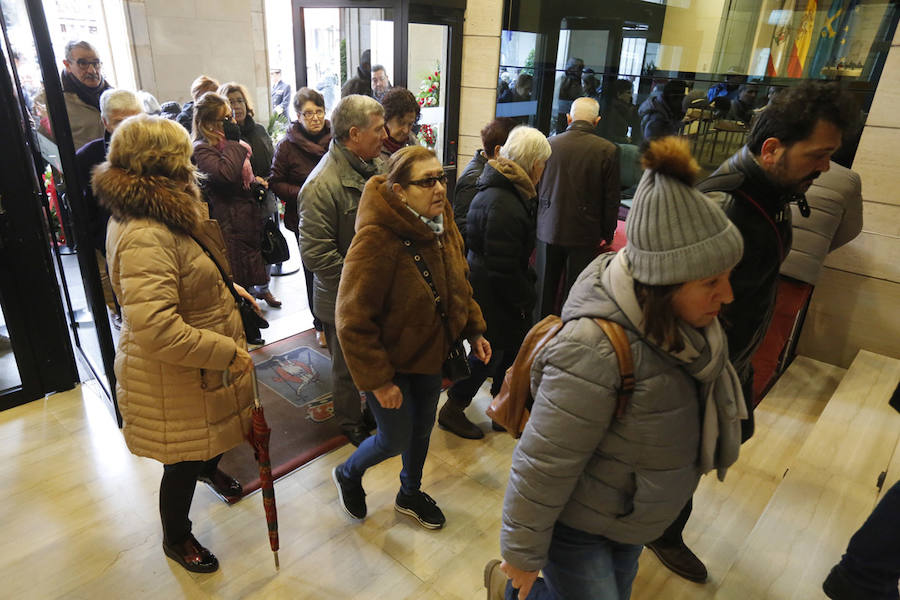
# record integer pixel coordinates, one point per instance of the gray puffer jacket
(626, 479)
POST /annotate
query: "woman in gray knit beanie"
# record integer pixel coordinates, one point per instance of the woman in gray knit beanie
(588, 488)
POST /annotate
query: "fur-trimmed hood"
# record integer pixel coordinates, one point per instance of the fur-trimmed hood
(128, 196)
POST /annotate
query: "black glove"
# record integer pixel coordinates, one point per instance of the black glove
(232, 131)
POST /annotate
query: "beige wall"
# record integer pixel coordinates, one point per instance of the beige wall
(480, 67)
(689, 35)
(174, 41)
(855, 305)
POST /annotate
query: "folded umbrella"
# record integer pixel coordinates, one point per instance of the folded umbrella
(259, 440)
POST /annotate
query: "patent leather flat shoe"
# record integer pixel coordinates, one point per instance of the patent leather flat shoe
(225, 485)
(192, 556)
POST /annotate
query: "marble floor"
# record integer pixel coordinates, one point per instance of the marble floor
(80, 519)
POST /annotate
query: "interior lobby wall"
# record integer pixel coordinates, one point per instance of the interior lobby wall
(174, 41)
(480, 65)
(855, 302)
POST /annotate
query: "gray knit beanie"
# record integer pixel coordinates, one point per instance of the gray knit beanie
(675, 233)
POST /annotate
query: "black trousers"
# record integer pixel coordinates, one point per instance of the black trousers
(673, 533)
(551, 263)
(176, 492)
(462, 392)
(317, 324)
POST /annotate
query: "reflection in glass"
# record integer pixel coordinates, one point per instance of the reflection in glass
(343, 45)
(515, 82)
(60, 218)
(427, 59)
(9, 370)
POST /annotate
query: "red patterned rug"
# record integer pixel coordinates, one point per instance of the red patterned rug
(294, 376)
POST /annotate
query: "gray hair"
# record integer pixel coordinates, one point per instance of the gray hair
(525, 146)
(72, 44)
(585, 109)
(354, 111)
(113, 100)
(149, 102)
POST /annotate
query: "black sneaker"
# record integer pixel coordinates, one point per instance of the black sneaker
(422, 508)
(351, 495)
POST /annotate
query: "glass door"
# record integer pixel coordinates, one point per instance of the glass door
(36, 356)
(60, 185)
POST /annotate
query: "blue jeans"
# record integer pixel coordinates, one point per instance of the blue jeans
(405, 430)
(584, 565)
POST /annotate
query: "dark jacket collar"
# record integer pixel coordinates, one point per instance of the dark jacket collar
(298, 136)
(581, 126)
(761, 187)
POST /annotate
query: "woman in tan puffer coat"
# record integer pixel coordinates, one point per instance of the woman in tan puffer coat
(184, 375)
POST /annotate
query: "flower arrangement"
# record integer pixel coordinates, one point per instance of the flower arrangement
(430, 89)
(427, 135)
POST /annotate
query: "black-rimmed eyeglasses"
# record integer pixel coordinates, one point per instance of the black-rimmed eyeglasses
(428, 182)
(84, 64)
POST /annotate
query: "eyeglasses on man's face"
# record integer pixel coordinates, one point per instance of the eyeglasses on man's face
(85, 64)
(429, 182)
(313, 114)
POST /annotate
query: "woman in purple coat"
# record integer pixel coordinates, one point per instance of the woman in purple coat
(297, 154)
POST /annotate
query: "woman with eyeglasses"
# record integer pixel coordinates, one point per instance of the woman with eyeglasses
(297, 154)
(224, 163)
(401, 111)
(500, 235)
(260, 159)
(394, 332)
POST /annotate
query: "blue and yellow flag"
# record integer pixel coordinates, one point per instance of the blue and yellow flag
(827, 39)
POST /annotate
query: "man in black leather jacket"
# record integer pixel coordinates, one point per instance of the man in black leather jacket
(789, 146)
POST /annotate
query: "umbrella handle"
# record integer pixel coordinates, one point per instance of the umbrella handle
(256, 403)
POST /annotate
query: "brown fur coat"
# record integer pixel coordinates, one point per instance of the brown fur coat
(386, 317)
(181, 327)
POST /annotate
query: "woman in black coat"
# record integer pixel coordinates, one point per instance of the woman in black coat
(260, 160)
(500, 237)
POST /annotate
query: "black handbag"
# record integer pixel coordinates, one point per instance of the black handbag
(274, 247)
(456, 366)
(249, 317)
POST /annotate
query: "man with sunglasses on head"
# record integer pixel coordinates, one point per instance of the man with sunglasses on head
(82, 84)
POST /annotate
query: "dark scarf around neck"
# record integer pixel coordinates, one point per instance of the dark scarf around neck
(88, 95)
(366, 168)
(390, 144)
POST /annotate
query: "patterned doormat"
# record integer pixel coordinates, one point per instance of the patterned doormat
(294, 376)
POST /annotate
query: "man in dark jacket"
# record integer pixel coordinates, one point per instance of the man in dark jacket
(115, 107)
(328, 202)
(620, 115)
(662, 112)
(789, 146)
(281, 95)
(578, 203)
(493, 136)
(361, 83)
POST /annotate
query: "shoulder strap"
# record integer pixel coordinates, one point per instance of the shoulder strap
(622, 348)
(225, 278)
(419, 261)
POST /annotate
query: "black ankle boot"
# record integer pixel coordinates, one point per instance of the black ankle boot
(453, 418)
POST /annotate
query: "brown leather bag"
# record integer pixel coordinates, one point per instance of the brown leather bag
(511, 407)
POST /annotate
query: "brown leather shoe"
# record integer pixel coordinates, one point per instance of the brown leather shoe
(320, 339)
(270, 300)
(679, 559)
(192, 556)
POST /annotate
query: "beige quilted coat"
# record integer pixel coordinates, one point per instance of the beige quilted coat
(181, 327)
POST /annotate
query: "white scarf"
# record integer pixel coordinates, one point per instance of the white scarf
(705, 358)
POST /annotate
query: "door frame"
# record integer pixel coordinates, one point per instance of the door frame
(437, 12)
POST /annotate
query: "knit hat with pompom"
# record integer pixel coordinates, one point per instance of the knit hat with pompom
(675, 233)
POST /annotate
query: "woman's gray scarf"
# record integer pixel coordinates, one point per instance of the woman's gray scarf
(705, 358)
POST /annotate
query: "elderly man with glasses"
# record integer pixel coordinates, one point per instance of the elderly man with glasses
(82, 84)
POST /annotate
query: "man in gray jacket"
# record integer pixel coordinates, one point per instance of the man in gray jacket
(327, 207)
(578, 203)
